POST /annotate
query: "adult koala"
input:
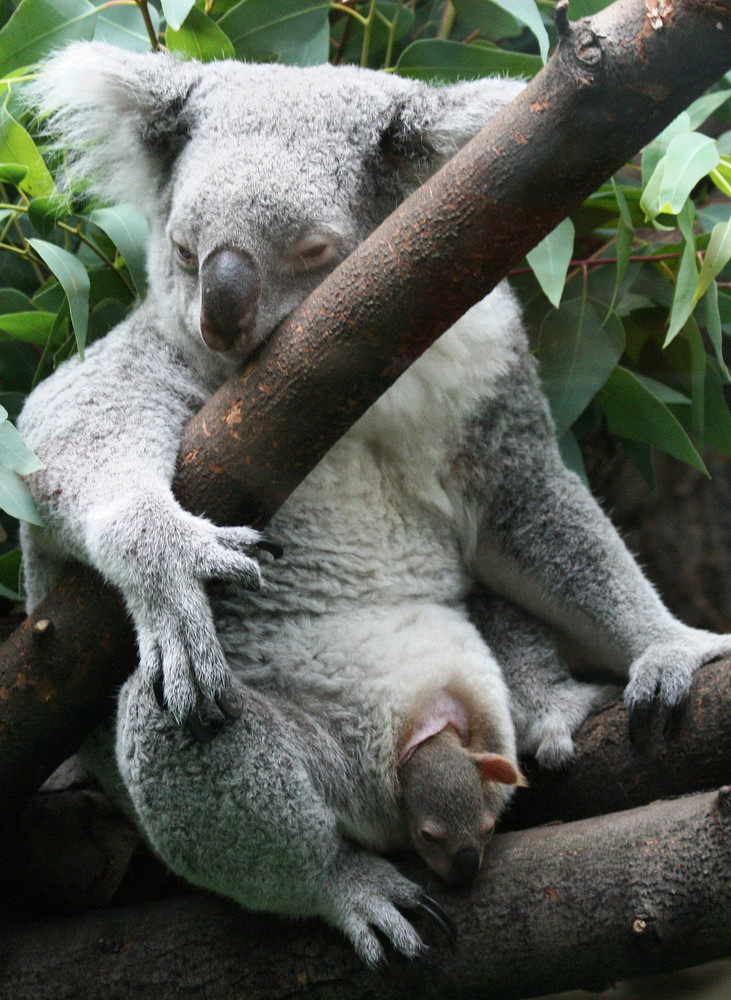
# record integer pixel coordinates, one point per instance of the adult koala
(357, 649)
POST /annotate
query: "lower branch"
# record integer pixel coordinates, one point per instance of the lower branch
(558, 907)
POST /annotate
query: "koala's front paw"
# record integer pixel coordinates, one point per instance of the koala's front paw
(664, 674)
(366, 895)
(180, 654)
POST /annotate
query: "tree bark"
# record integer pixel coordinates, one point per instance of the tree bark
(559, 907)
(613, 83)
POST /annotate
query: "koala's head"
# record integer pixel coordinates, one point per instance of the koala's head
(257, 180)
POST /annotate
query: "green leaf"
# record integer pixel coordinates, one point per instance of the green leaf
(571, 455)
(32, 327)
(15, 497)
(640, 455)
(38, 26)
(10, 574)
(527, 12)
(16, 146)
(290, 31)
(718, 417)
(12, 173)
(689, 158)
(578, 347)
(687, 277)
(176, 11)
(123, 25)
(127, 227)
(702, 108)
(75, 281)
(634, 412)
(718, 254)
(14, 453)
(624, 239)
(712, 322)
(435, 59)
(200, 38)
(721, 176)
(550, 260)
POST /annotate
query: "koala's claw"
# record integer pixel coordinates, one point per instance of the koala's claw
(674, 717)
(202, 730)
(230, 704)
(638, 716)
(434, 910)
(273, 548)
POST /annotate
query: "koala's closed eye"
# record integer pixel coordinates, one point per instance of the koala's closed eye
(186, 257)
(314, 251)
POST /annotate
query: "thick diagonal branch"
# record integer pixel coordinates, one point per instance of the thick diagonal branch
(614, 82)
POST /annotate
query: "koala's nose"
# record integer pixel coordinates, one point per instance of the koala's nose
(229, 281)
(464, 868)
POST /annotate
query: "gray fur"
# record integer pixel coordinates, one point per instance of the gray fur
(453, 475)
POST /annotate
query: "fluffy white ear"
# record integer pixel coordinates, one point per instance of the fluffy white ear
(432, 123)
(121, 115)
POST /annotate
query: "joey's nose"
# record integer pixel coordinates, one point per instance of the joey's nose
(229, 297)
(464, 868)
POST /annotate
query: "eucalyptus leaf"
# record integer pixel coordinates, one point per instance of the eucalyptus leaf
(32, 326)
(523, 10)
(15, 497)
(200, 38)
(16, 146)
(176, 11)
(704, 106)
(633, 411)
(717, 256)
(550, 260)
(123, 25)
(127, 227)
(435, 59)
(578, 347)
(291, 31)
(14, 453)
(75, 281)
(689, 158)
(37, 26)
(12, 173)
(687, 278)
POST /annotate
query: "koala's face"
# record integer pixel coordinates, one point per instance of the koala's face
(284, 173)
(257, 180)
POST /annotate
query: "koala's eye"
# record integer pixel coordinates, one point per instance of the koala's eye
(313, 252)
(185, 256)
(430, 834)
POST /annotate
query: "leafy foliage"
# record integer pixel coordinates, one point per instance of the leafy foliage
(630, 301)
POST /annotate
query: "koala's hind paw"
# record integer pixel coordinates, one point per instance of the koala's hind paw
(367, 895)
(664, 675)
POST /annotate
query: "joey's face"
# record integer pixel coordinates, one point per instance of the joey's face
(264, 206)
(451, 847)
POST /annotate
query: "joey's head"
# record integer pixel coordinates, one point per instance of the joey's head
(449, 803)
(256, 180)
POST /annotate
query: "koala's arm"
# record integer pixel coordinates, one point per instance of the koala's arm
(107, 430)
(544, 542)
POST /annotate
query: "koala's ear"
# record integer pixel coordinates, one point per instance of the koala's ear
(431, 123)
(121, 116)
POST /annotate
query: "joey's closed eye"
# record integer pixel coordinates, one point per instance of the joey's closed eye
(186, 257)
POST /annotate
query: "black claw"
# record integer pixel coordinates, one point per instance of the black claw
(272, 548)
(159, 692)
(200, 730)
(674, 717)
(639, 716)
(430, 908)
(230, 704)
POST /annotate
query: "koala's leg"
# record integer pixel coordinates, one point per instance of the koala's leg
(545, 543)
(547, 704)
(242, 816)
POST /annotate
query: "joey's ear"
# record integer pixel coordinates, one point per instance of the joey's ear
(494, 767)
(430, 124)
(121, 115)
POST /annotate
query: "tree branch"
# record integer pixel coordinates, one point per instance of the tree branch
(558, 907)
(614, 82)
